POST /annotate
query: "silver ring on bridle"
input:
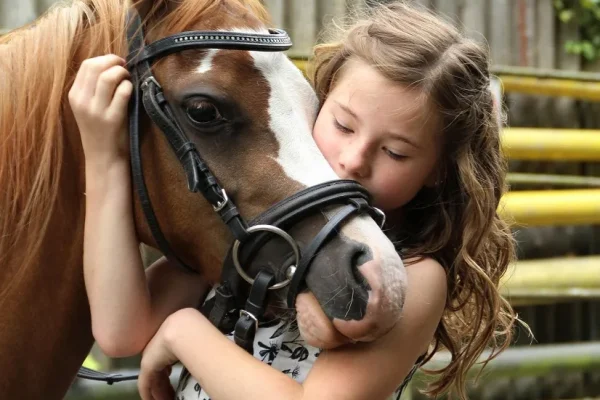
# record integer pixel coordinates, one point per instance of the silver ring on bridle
(281, 233)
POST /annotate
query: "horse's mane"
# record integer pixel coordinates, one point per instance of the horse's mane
(38, 63)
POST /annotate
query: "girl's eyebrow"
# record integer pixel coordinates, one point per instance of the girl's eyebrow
(398, 136)
(347, 109)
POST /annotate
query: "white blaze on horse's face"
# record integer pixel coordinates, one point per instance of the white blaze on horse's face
(206, 63)
(293, 109)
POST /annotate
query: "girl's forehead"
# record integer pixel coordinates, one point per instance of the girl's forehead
(364, 91)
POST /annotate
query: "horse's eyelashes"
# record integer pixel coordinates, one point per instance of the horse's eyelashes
(203, 112)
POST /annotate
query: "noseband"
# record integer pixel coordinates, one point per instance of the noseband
(229, 308)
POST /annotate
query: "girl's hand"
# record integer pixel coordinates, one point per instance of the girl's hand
(155, 367)
(99, 98)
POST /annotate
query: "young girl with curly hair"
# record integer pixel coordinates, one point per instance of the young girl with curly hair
(406, 110)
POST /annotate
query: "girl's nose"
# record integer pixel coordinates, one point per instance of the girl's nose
(354, 161)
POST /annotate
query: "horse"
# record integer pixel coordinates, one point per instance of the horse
(248, 113)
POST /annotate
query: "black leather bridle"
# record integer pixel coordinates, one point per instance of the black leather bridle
(230, 309)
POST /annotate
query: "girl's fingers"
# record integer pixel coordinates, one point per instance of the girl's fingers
(118, 105)
(108, 81)
(155, 386)
(144, 387)
(164, 390)
(90, 71)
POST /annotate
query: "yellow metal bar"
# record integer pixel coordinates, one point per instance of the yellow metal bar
(581, 90)
(551, 144)
(545, 73)
(551, 207)
(566, 181)
(553, 278)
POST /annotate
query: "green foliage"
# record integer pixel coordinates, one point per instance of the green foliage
(586, 15)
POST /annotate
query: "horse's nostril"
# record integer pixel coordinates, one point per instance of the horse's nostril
(361, 256)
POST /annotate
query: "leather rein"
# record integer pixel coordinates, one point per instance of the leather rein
(229, 310)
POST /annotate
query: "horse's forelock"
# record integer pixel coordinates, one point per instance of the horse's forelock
(185, 14)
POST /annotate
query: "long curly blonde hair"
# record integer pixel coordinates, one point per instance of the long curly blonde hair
(456, 222)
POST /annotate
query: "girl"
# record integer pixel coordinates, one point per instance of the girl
(406, 110)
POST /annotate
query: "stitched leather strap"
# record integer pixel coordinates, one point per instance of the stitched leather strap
(317, 243)
(247, 324)
(135, 37)
(275, 40)
(221, 305)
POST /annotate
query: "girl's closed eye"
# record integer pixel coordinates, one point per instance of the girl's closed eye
(394, 155)
(341, 127)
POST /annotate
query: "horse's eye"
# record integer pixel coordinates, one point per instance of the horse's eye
(203, 112)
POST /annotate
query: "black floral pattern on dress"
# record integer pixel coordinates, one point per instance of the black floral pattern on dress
(293, 373)
(268, 352)
(296, 346)
(183, 379)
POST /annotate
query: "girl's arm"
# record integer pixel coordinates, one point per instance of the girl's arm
(360, 371)
(127, 309)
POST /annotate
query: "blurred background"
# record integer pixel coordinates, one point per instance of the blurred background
(546, 57)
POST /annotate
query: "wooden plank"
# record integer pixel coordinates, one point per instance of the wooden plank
(565, 114)
(523, 110)
(474, 19)
(14, 13)
(451, 10)
(330, 10)
(426, 3)
(355, 5)
(302, 26)
(530, 31)
(499, 35)
(545, 55)
(277, 10)
(545, 37)
(43, 5)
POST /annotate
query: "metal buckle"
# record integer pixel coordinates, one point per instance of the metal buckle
(251, 316)
(284, 235)
(222, 204)
(149, 79)
(381, 214)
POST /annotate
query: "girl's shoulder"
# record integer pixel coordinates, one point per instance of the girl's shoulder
(425, 265)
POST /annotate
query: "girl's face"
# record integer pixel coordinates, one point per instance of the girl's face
(375, 131)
